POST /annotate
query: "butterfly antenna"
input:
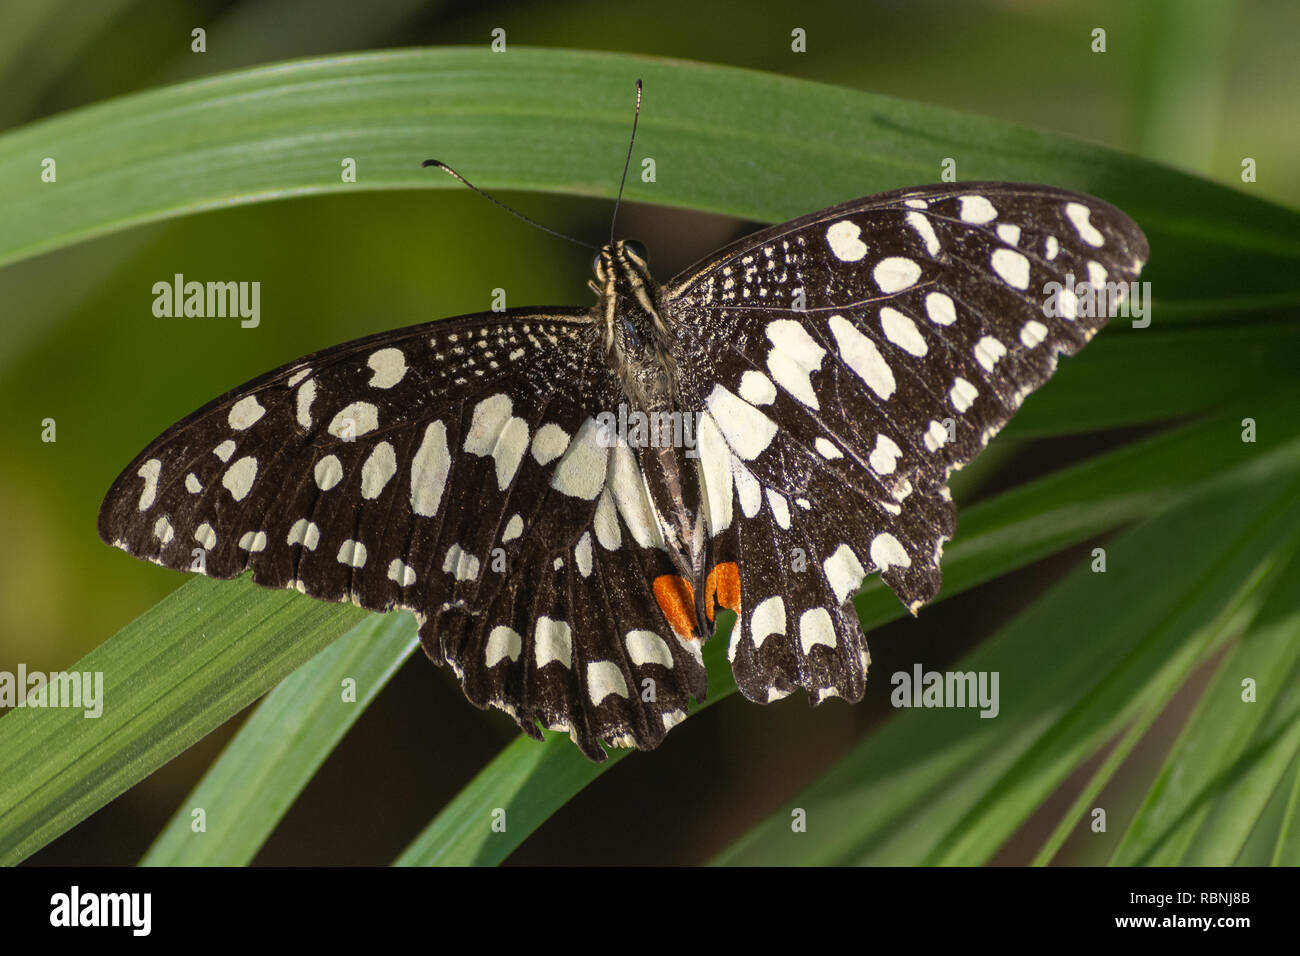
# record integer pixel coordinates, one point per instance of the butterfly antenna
(627, 162)
(514, 212)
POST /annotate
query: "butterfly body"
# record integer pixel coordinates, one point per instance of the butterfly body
(801, 397)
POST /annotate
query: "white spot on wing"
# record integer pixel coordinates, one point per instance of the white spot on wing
(861, 355)
(549, 443)
(886, 552)
(977, 210)
(633, 500)
(768, 619)
(793, 358)
(715, 471)
(581, 472)
(780, 508)
(245, 412)
(552, 641)
(604, 678)
(149, 471)
(885, 455)
(224, 450)
(647, 647)
(940, 309)
(305, 533)
(1033, 333)
(1096, 274)
(844, 572)
(605, 523)
(461, 564)
(401, 573)
(902, 331)
(514, 528)
(895, 274)
(389, 367)
(962, 394)
(238, 479)
(827, 449)
(429, 470)
(815, 628)
(582, 554)
(748, 490)
(379, 467)
(1012, 267)
(328, 473)
(747, 430)
(1080, 217)
(1068, 304)
(163, 531)
(756, 388)
(988, 351)
(306, 395)
(935, 436)
(494, 431)
(253, 541)
(921, 224)
(355, 419)
(205, 536)
(504, 643)
(844, 242)
(352, 553)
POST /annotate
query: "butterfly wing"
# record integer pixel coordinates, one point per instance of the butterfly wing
(856, 356)
(451, 469)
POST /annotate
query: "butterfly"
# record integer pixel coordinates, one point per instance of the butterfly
(567, 498)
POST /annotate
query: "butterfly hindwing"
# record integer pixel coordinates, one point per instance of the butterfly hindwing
(573, 637)
(857, 356)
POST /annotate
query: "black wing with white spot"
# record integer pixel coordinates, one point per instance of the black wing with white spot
(452, 469)
(847, 362)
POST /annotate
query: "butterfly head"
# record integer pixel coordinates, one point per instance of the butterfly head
(628, 299)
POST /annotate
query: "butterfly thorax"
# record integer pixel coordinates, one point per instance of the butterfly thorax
(637, 336)
(638, 346)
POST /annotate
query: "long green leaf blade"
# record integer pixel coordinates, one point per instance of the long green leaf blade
(282, 744)
(171, 676)
(737, 142)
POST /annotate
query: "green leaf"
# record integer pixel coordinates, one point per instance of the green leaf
(281, 745)
(1232, 755)
(943, 786)
(756, 145)
(171, 676)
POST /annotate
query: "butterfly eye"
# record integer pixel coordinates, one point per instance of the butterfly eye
(595, 263)
(637, 249)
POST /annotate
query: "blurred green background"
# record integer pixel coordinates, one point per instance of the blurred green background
(1195, 84)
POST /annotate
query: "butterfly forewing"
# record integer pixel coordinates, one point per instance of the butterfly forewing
(450, 469)
(838, 366)
(857, 356)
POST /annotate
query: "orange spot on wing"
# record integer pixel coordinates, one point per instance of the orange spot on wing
(676, 599)
(724, 583)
